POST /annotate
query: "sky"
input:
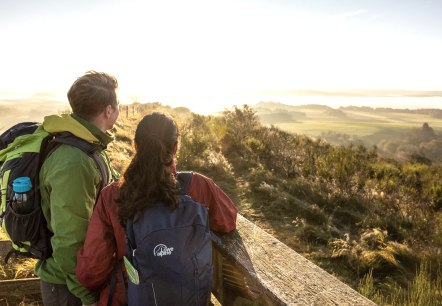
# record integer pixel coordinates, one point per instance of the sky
(207, 54)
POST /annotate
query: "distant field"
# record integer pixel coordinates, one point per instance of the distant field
(315, 128)
(358, 124)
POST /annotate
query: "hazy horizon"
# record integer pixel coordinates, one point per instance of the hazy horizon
(213, 54)
(207, 103)
(36, 106)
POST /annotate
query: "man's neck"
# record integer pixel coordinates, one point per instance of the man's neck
(99, 123)
(96, 121)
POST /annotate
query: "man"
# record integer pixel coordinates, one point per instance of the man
(70, 182)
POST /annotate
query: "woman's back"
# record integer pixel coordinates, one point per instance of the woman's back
(94, 262)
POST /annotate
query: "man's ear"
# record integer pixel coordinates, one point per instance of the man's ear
(108, 111)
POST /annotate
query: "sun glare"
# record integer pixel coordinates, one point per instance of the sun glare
(217, 53)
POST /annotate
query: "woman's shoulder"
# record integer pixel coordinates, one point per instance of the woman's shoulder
(110, 192)
(111, 187)
(201, 182)
(200, 177)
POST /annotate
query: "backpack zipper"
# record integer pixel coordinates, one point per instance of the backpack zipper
(154, 296)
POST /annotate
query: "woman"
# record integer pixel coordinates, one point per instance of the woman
(149, 178)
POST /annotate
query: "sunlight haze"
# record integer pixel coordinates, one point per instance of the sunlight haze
(207, 55)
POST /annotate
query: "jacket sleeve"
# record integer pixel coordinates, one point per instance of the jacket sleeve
(72, 185)
(222, 211)
(96, 259)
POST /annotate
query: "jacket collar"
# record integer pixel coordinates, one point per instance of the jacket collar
(78, 127)
(104, 137)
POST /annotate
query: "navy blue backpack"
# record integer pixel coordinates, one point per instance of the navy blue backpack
(170, 253)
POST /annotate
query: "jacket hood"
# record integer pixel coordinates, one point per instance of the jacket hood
(66, 123)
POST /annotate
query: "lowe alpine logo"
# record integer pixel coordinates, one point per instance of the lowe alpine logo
(162, 250)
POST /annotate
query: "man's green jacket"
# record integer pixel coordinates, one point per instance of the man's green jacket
(69, 184)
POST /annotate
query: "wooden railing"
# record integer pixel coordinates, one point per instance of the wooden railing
(252, 267)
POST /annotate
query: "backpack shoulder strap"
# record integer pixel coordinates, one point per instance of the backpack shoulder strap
(130, 238)
(87, 147)
(118, 267)
(184, 178)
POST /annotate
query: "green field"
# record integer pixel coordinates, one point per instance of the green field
(355, 123)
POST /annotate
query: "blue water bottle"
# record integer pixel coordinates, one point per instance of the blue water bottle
(22, 201)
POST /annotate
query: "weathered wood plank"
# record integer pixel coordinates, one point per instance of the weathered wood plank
(19, 287)
(5, 247)
(274, 274)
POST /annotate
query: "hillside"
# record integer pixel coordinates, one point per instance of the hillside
(371, 222)
(374, 223)
(401, 134)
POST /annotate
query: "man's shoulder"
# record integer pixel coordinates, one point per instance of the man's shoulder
(65, 155)
(69, 150)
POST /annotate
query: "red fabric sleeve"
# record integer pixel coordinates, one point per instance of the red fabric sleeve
(96, 259)
(222, 211)
(104, 239)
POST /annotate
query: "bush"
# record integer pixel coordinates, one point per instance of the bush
(314, 235)
(423, 290)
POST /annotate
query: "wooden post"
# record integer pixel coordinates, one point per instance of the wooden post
(19, 287)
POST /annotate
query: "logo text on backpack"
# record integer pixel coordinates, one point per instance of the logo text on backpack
(162, 250)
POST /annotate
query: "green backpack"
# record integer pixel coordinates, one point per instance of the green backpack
(23, 149)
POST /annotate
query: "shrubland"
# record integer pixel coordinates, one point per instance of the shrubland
(375, 223)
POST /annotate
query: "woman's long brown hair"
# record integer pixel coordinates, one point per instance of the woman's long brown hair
(149, 178)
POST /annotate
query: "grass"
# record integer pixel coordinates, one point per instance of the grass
(424, 290)
(2, 235)
(16, 267)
